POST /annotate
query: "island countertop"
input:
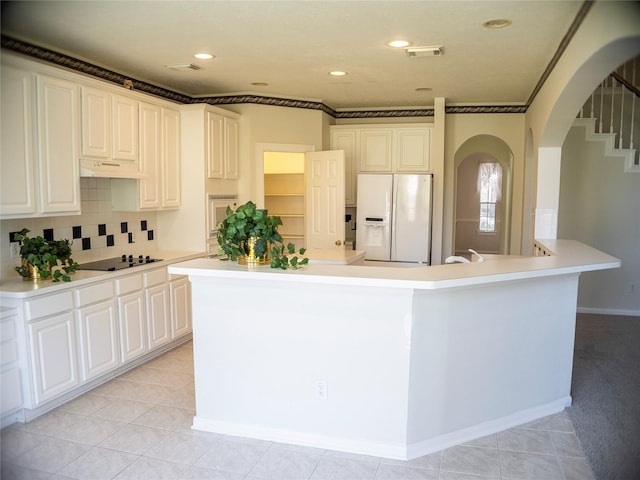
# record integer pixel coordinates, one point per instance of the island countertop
(391, 361)
(562, 257)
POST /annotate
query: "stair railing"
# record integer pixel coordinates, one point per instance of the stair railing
(613, 103)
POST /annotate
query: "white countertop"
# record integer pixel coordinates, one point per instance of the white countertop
(18, 288)
(568, 257)
(334, 256)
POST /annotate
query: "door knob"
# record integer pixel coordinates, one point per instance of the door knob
(338, 242)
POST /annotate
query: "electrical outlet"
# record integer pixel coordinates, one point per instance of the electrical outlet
(321, 390)
(15, 249)
(632, 288)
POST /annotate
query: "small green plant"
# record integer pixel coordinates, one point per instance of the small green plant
(248, 221)
(45, 255)
(289, 260)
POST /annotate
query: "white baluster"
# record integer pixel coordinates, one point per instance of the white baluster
(600, 116)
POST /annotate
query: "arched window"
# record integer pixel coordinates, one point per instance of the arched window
(489, 187)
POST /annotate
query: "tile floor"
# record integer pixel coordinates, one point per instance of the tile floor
(137, 426)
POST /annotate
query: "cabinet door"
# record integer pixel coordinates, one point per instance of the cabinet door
(180, 307)
(346, 140)
(376, 149)
(17, 175)
(99, 350)
(171, 192)
(96, 123)
(150, 193)
(158, 315)
(124, 116)
(132, 322)
(413, 147)
(231, 149)
(215, 145)
(53, 356)
(58, 145)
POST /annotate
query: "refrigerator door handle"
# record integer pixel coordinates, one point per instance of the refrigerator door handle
(394, 203)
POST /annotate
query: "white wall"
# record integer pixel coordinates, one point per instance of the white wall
(599, 206)
(608, 36)
(271, 124)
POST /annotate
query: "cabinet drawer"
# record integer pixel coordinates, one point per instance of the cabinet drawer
(49, 305)
(8, 353)
(155, 277)
(128, 284)
(94, 293)
(8, 330)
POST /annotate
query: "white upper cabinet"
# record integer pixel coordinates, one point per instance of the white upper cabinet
(159, 188)
(17, 147)
(40, 145)
(412, 149)
(376, 149)
(404, 148)
(58, 115)
(124, 123)
(150, 187)
(222, 146)
(109, 132)
(171, 163)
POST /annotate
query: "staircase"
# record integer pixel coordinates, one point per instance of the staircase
(612, 114)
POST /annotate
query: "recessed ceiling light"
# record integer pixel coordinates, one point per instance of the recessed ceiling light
(497, 23)
(338, 73)
(260, 84)
(203, 56)
(398, 43)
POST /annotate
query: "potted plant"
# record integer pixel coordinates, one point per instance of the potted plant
(40, 257)
(250, 236)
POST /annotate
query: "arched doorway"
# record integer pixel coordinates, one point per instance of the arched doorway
(482, 184)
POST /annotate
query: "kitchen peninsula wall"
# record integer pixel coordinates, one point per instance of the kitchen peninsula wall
(103, 232)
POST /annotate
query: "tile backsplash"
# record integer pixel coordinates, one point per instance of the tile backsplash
(96, 234)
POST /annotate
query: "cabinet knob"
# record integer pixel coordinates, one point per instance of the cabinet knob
(338, 242)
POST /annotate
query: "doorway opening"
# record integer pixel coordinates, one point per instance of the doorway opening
(482, 196)
(284, 193)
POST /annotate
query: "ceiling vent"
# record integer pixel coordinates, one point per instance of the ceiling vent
(435, 51)
(183, 67)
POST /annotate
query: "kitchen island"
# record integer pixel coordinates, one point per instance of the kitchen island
(384, 361)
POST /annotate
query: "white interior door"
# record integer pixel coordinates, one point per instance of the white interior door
(325, 199)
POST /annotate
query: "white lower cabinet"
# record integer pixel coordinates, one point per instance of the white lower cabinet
(158, 307)
(53, 356)
(74, 337)
(10, 378)
(180, 289)
(97, 330)
(131, 317)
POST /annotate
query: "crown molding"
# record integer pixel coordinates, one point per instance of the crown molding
(62, 60)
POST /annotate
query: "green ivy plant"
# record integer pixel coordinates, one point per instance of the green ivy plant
(46, 256)
(249, 221)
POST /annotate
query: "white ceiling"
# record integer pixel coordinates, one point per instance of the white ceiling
(292, 45)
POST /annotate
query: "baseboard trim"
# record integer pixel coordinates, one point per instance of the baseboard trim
(609, 311)
(406, 451)
(396, 452)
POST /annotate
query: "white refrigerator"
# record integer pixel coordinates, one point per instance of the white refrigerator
(394, 217)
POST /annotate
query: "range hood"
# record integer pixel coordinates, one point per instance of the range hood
(102, 169)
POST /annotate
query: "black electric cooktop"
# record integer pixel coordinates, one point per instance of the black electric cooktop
(119, 263)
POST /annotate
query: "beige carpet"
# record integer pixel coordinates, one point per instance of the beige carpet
(606, 394)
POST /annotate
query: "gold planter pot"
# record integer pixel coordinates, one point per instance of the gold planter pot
(250, 258)
(34, 273)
